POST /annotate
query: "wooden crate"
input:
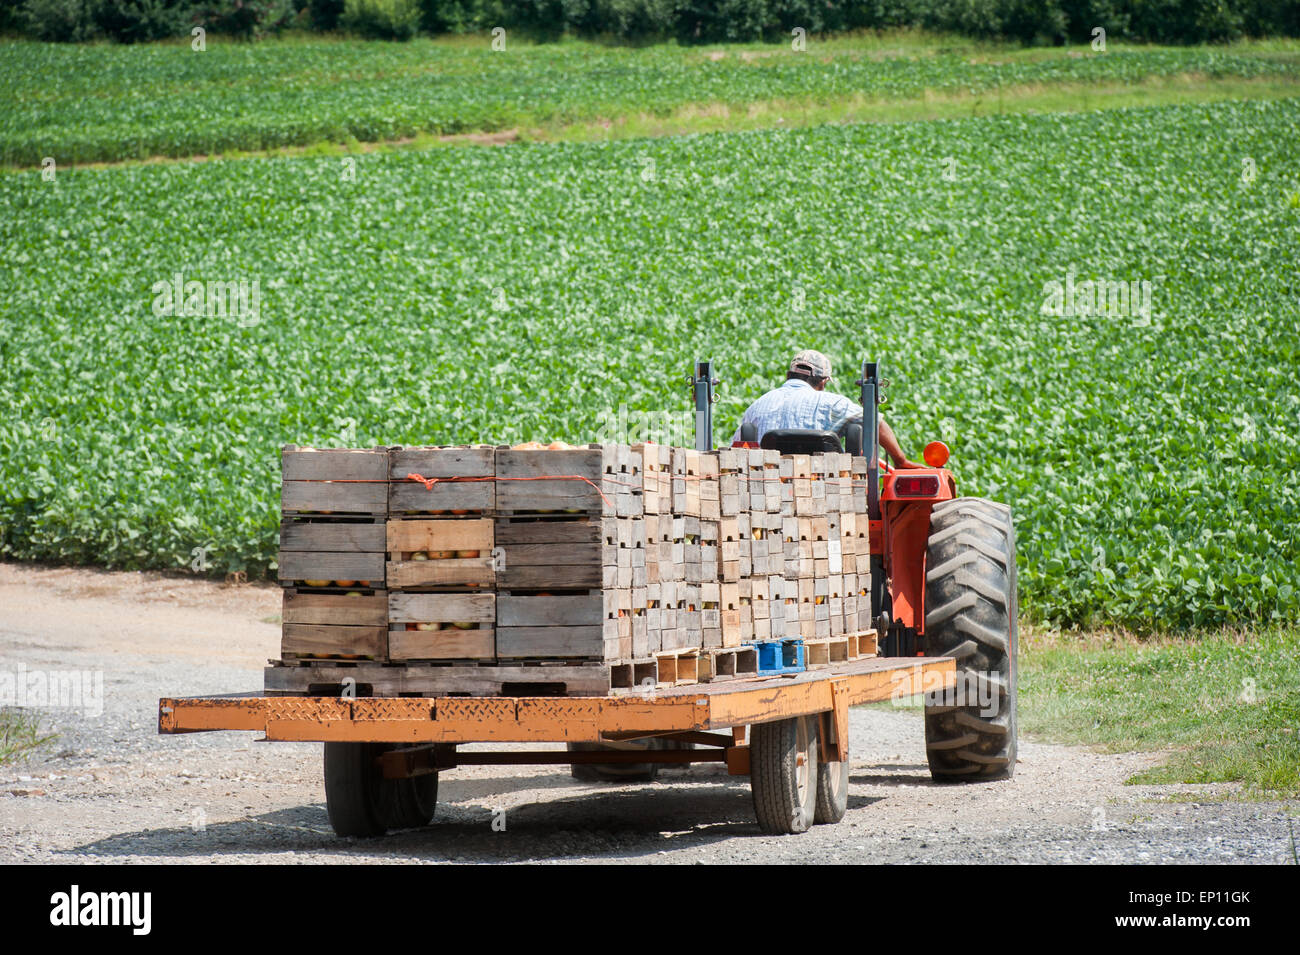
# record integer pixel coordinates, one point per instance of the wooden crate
(685, 482)
(349, 625)
(434, 553)
(733, 481)
(441, 626)
(710, 501)
(331, 552)
(592, 625)
(464, 480)
(598, 479)
(656, 477)
(333, 481)
(566, 554)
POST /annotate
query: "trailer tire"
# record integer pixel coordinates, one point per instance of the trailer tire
(971, 614)
(357, 797)
(412, 802)
(832, 791)
(615, 772)
(783, 774)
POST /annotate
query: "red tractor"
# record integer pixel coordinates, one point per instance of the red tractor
(943, 583)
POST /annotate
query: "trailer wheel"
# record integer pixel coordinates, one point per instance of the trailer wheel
(971, 614)
(357, 796)
(832, 791)
(412, 801)
(615, 772)
(783, 774)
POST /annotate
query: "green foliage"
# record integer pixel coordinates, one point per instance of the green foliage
(324, 14)
(21, 734)
(137, 21)
(690, 21)
(1149, 459)
(11, 16)
(59, 21)
(67, 102)
(381, 19)
(248, 19)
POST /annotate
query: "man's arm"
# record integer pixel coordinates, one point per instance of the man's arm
(851, 411)
(890, 444)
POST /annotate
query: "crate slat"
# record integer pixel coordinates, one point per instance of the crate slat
(308, 565)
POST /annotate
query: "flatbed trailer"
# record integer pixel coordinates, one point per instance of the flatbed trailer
(788, 733)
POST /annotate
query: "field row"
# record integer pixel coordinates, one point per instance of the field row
(1146, 440)
(102, 102)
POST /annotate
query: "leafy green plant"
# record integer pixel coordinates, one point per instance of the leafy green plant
(137, 21)
(21, 734)
(1148, 458)
(83, 104)
(381, 19)
(59, 21)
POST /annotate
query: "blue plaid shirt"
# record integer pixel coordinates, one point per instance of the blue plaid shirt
(796, 404)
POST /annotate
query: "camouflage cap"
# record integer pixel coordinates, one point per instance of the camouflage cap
(809, 362)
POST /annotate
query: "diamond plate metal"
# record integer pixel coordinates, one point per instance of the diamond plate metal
(371, 709)
(299, 708)
(475, 710)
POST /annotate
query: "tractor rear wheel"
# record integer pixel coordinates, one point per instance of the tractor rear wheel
(971, 612)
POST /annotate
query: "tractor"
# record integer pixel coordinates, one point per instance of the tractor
(943, 583)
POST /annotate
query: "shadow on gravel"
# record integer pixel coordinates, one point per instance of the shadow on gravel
(452, 789)
(592, 821)
(897, 775)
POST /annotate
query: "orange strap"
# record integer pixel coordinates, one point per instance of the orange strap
(430, 482)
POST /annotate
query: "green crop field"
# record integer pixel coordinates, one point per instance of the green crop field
(101, 102)
(500, 294)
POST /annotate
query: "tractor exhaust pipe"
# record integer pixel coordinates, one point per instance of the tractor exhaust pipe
(870, 385)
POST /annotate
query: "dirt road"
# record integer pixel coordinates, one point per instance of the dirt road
(110, 789)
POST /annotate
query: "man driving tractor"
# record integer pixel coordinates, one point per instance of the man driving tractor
(804, 402)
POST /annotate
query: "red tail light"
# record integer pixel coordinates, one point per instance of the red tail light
(917, 485)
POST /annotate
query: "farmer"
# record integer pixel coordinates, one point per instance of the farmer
(804, 402)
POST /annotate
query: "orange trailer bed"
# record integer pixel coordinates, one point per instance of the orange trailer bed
(444, 719)
(382, 758)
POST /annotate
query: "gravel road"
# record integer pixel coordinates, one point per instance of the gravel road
(110, 789)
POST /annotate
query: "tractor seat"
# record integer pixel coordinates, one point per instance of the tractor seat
(806, 441)
(801, 441)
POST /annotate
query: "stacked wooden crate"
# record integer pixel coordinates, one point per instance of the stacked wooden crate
(572, 542)
(618, 563)
(440, 537)
(331, 561)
